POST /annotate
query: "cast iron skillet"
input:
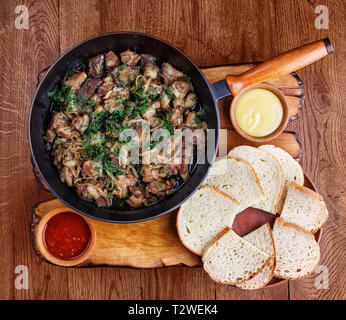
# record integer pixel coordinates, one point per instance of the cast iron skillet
(207, 95)
(39, 112)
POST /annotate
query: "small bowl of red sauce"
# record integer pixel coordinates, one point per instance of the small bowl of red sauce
(65, 237)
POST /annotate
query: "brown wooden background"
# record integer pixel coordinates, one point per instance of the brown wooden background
(211, 33)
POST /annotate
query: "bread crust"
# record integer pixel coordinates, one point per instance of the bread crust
(315, 195)
(282, 183)
(218, 237)
(273, 257)
(306, 190)
(310, 235)
(252, 170)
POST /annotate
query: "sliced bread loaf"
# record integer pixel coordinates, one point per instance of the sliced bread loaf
(297, 252)
(230, 259)
(201, 218)
(236, 178)
(263, 240)
(290, 167)
(305, 208)
(269, 173)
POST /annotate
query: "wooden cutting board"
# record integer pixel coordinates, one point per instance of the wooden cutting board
(155, 243)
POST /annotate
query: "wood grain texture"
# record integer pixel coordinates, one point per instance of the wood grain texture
(321, 129)
(256, 31)
(149, 244)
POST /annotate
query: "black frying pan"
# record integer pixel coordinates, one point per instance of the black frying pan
(39, 112)
(207, 96)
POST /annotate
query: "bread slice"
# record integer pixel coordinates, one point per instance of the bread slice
(297, 252)
(236, 178)
(262, 239)
(230, 259)
(305, 208)
(290, 167)
(269, 173)
(201, 218)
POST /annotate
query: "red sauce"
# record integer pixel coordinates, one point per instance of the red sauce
(66, 236)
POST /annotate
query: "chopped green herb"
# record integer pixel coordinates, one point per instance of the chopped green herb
(201, 116)
(187, 78)
(170, 94)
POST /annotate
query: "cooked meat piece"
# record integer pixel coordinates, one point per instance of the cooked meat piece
(88, 88)
(176, 117)
(120, 93)
(96, 138)
(183, 171)
(155, 172)
(96, 98)
(165, 99)
(129, 57)
(190, 100)
(50, 135)
(107, 85)
(80, 123)
(99, 108)
(112, 105)
(123, 183)
(112, 60)
(126, 75)
(114, 159)
(138, 196)
(82, 191)
(76, 80)
(65, 132)
(101, 202)
(58, 154)
(92, 168)
(178, 102)
(134, 201)
(170, 74)
(68, 176)
(191, 120)
(151, 111)
(96, 194)
(96, 66)
(151, 70)
(161, 188)
(155, 88)
(59, 120)
(180, 88)
(147, 58)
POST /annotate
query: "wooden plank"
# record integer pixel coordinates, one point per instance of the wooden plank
(321, 130)
(148, 244)
(24, 52)
(177, 283)
(79, 20)
(287, 140)
(211, 32)
(104, 283)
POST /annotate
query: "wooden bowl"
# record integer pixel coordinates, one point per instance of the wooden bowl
(285, 115)
(39, 242)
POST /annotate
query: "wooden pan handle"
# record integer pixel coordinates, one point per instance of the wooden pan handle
(281, 65)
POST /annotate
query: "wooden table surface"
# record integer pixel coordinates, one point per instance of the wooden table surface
(211, 33)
